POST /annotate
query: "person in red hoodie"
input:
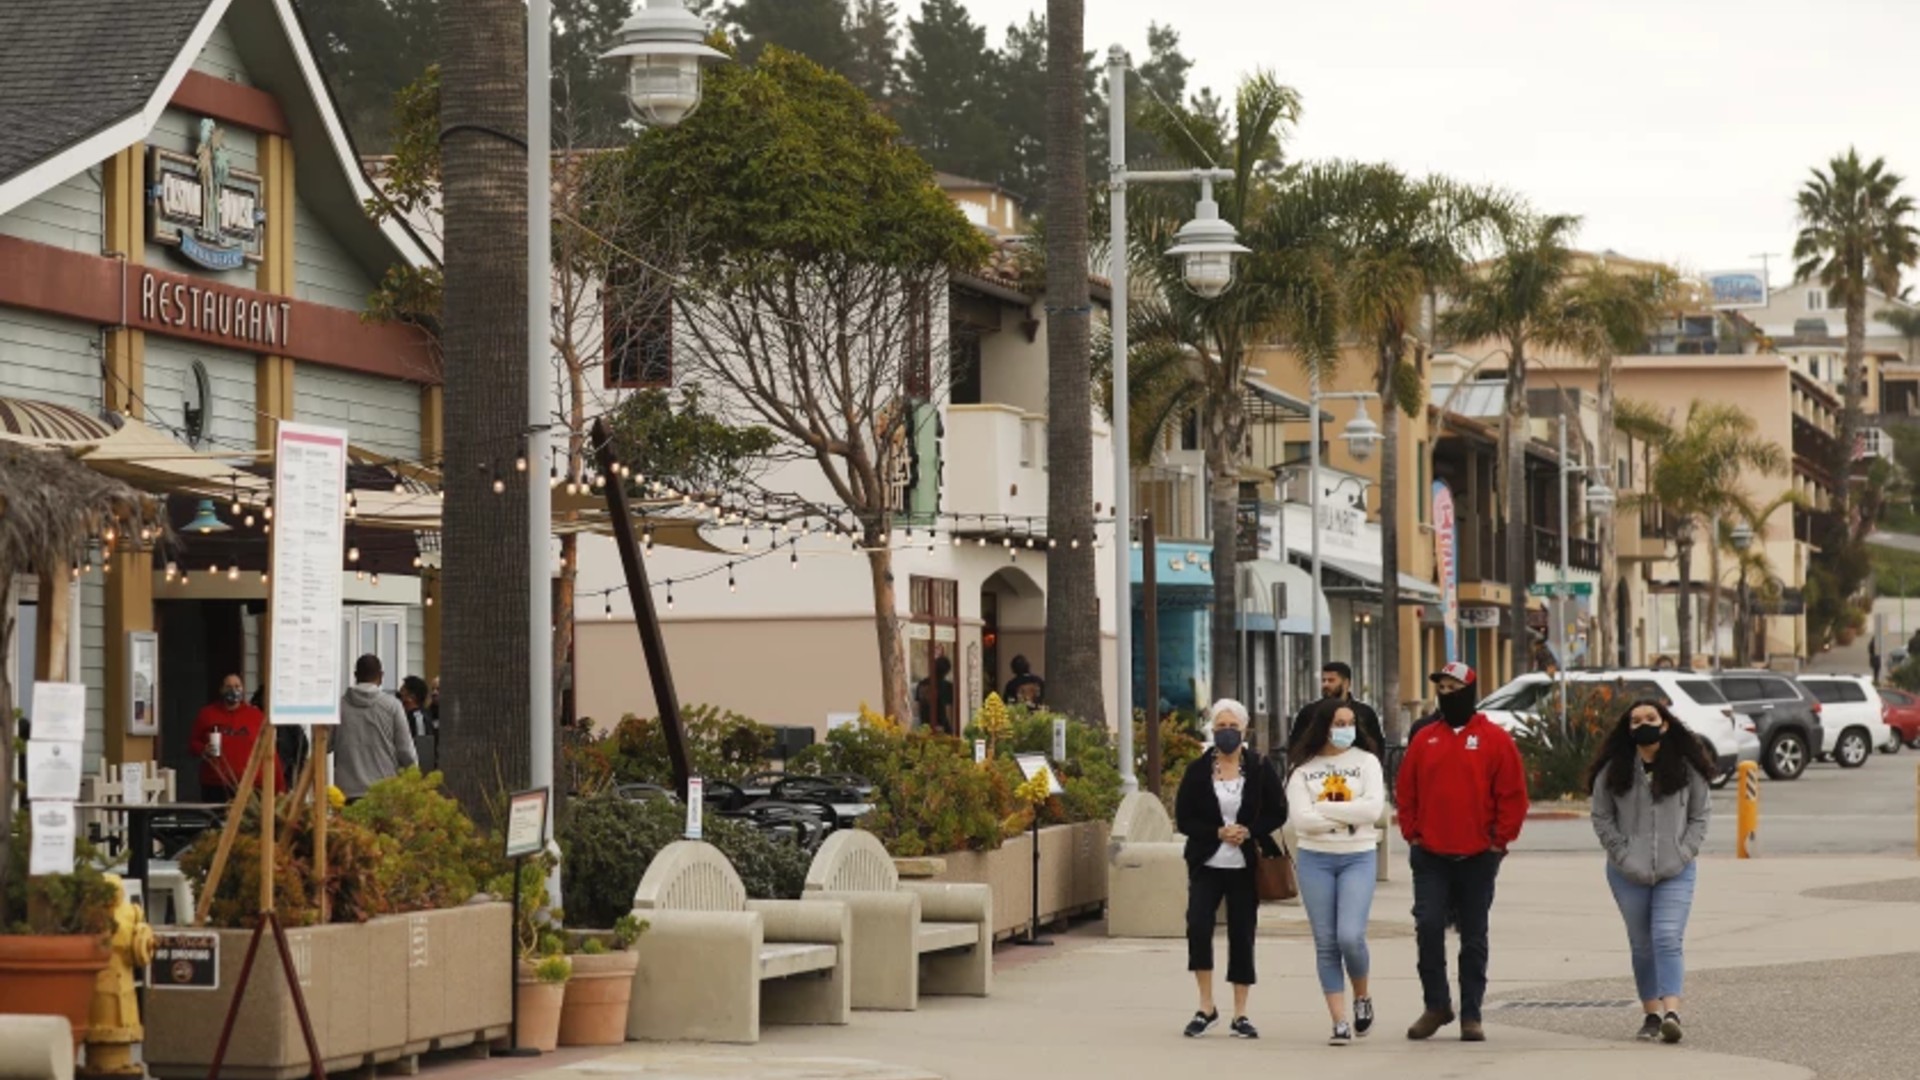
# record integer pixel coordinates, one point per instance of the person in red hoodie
(223, 737)
(1461, 796)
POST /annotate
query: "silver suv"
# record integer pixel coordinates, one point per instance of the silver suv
(1786, 718)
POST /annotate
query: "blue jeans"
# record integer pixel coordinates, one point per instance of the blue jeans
(1337, 891)
(1656, 917)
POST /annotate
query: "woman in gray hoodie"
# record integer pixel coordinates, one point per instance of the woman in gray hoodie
(1651, 804)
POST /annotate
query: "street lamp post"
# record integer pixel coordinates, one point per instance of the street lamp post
(1361, 433)
(1207, 246)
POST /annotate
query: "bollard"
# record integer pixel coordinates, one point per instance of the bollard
(1748, 843)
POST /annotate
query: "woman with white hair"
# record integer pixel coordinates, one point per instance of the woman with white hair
(1229, 805)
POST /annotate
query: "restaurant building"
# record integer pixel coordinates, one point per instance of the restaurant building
(185, 261)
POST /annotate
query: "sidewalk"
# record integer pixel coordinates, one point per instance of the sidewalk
(1094, 1007)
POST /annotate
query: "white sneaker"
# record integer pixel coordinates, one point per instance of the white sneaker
(1342, 1035)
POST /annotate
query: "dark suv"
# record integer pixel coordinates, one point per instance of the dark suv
(1785, 717)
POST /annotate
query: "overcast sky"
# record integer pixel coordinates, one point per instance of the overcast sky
(1677, 129)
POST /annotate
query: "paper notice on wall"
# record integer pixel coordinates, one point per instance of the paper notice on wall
(54, 833)
(133, 783)
(53, 769)
(60, 711)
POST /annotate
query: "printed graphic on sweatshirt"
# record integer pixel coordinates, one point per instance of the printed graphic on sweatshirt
(1335, 789)
(1334, 784)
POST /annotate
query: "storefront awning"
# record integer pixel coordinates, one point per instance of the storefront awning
(1257, 581)
(1361, 581)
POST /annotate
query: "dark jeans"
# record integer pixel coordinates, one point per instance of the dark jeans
(1461, 891)
(1206, 887)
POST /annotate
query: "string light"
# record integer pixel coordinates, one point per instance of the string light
(793, 557)
(520, 463)
(353, 554)
(499, 485)
(233, 572)
(263, 577)
(669, 594)
(731, 587)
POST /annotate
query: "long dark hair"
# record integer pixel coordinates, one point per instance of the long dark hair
(1680, 749)
(1310, 738)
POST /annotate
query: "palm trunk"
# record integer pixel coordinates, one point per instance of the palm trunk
(886, 629)
(1683, 549)
(1389, 692)
(1851, 420)
(1223, 498)
(1713, 597)
(1609, 571)
(1519, 525)
(1073, 664)
(485, 636)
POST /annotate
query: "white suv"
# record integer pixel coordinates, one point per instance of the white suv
(1852, 716)
(1692, 697)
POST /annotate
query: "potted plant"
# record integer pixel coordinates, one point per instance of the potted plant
(53, 934)
(539, 994)
(595, 1011)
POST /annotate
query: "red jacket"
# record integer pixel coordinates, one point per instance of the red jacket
(1462, 792)
(239, 729)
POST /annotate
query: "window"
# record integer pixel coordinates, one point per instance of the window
(639, 338)
(1517, 698)
(381, 631)
(1742, 688)
(1635, 689)
(1835, 691)
(1190, 430)
(1777, 690)
(1897, 697)
(1702, 691)
(1816, 299)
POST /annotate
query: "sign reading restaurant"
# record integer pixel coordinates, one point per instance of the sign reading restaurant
(203, 206)
(241, 317)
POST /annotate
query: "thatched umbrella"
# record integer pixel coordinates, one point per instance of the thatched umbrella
(52, 509)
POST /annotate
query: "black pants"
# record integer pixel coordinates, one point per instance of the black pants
(1461, 891)
(1206, 887)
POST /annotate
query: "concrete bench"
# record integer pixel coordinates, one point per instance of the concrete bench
(1146, 871)
(36, 1047)
(714, 963)
(912, 937)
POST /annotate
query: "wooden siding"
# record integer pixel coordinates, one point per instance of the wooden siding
(69, 216)
(93, 665)
(221, 58)
(382, 415)
(170, 381)
(323, 272)
(46, 358)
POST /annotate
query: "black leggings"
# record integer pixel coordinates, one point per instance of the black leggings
(1206, 887)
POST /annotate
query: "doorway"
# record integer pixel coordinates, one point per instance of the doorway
(201, 643)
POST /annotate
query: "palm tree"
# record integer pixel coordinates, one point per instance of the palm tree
(1212, 340)
(1697, 474)
(1603, 315)
(484, 632)
(1753, 566)
(1906, 320)
(1514, 299)
(1073, 640)
(1855, 234)
(1391, 239)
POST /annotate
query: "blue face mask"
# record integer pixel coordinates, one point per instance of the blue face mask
(1342, 737)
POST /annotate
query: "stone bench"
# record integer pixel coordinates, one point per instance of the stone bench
(1146, 871)
(36, 1047)
(912, 937)
(713, 963)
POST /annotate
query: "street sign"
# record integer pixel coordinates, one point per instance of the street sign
(185, 960)
(1553, 588)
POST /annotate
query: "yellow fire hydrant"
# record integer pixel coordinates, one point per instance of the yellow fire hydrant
(113, 1022)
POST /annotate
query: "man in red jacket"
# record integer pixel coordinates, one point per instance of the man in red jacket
(1461, 797)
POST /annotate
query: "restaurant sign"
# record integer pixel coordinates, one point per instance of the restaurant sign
(243, 318)
(203, 206)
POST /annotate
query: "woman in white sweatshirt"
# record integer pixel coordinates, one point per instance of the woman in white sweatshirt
(1335, 794)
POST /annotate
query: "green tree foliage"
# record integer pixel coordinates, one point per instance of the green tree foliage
(819, 30)
(949, 89)
(721, 745)
(683, 443)
(607, 842)
(874, 66)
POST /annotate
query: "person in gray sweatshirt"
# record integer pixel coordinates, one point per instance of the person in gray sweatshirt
(1651, 805)
(374, 741)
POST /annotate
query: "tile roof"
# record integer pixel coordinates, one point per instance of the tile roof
(73, 68)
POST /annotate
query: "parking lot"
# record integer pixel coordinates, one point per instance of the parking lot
(1828, 811)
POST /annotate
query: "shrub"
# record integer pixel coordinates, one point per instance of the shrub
(553, 969)
(1557, 749)
(441, 859)
(721, 745)
(1089, 775)
(78, 903)
(1180, 745)
(607, 843)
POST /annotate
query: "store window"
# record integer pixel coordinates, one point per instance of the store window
(381, 631)
(933, 636)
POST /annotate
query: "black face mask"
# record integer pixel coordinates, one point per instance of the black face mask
(1227, 740)
(1647, 735)
(1458, 707)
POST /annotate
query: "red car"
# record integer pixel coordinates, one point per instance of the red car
(1902, 712)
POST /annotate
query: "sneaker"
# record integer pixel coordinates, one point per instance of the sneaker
(1243, 1028)
(1362, 1016)
(1472, 1031)
(1650, 1027)
(1670, 1028)
(1430, 1021)
(1202, 1023)
(1342, 1036)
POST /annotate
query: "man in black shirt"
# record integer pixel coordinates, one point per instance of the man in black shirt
(1025, 688)
(1336, 682)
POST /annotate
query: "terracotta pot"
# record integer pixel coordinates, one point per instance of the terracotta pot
(538, 1010)
(595, 1013)
(51, 975)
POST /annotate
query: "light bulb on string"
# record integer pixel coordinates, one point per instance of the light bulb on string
(731, 587)
(1052, 543)
(233, 572)
(249, 521)
(353, 554)
(609, 607)
(428, 601)
(669, 594)
(353, 506)
(520, 463)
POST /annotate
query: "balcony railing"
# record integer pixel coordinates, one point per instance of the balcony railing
(1583, 554)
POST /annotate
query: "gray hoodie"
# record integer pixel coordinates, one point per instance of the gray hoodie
(1649, 839)
(373, 741)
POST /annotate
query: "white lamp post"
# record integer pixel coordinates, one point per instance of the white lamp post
(664, 46)
(1208, 245)
(1360, 433)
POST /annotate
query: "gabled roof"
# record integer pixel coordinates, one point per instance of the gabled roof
(81, 80)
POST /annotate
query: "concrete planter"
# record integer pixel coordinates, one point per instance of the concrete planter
(376, 992)
(1073, 874)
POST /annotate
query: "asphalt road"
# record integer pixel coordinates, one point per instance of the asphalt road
(1828, 811)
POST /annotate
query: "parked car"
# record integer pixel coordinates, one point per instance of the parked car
(1851, 716)
(1730, 738)
(1785, 717)
(1903, 716)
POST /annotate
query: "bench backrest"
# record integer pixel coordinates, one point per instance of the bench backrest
(689, 875)
(1142, 819)
(852, 860)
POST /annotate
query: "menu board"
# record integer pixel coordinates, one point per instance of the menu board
(309, 542)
